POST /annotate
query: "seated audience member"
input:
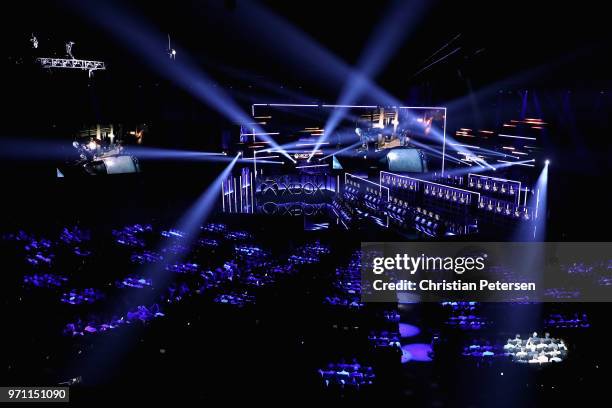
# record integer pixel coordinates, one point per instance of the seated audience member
(534, 339)
(522, 354)
(542, 358)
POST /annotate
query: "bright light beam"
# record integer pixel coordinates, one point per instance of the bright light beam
(154, 153)
(389, 34)
(338, 152)
(299, 49)
(190, 222)
(35, 149)
(541, 193)
(102, 358)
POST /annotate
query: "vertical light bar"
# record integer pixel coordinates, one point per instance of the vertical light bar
(444, 143)
(537, 204)
(235, 198)
(240, 192)
(252, 198)
(246, 192)
(245, 186)
(229, 196)
(223, 196)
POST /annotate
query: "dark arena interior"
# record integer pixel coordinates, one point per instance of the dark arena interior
(195, 195)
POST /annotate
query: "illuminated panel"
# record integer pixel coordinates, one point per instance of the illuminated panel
(435, 190)
(496, 185)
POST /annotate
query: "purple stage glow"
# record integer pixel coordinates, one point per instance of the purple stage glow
(416, 352)
(154, 153)
(408, 330)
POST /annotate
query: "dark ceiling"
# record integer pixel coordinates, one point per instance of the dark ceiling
(497, 39)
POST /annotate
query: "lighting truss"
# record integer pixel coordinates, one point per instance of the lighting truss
(71, 63)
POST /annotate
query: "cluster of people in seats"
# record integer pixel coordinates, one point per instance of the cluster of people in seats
(347, 375)
(464, 315)
(385, 339)
(563, 321)
(535, 349)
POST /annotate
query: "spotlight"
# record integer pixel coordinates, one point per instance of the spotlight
(547, 162)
